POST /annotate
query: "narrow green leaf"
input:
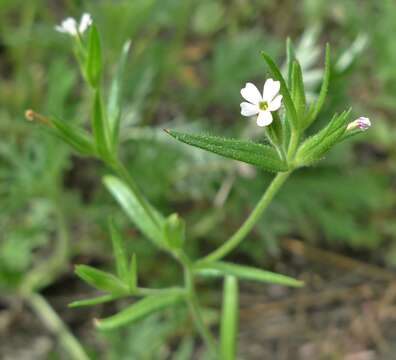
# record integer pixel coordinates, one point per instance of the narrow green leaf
(138, 310)
(77, 138)
(220, 268)
(316, 146)
(298, 92)
(134, 209)
(100, 128)
(120, 254)
(94, 301)
(114, 108)
(323, 91)
(133, 274)
(287, 100)
(94, 57)
(101, 280)
(290, 56)
(262, 156)
(229, 319)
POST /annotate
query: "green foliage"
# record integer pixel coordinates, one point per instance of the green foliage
(93, 68)
(138, 310)
(260, 155)
(220, 268)
(229, 319)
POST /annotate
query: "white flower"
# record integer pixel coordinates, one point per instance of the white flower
(259, 104)
(71, 27)
(362, 123)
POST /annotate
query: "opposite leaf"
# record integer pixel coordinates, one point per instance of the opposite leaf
(220, 268)
(262, 156)
(134, 209)
(138, 310)
(101, 280)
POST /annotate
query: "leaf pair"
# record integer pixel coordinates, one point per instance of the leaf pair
(125, 283)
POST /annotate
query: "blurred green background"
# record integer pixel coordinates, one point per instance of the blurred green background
(189, 61)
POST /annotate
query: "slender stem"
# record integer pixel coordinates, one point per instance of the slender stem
(55, 324)
(249, 223)
(196, 311)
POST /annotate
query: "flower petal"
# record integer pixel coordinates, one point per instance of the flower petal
(275, 104)
(264, 118)
(70, 26)
(248, 109)
(271, 89)
(86, 21)
(251, 93)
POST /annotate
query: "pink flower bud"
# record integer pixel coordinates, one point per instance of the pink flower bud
(362, 123)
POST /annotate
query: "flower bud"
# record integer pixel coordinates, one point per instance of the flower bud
(362, 123)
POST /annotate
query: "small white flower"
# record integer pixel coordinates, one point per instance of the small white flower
(71, 27)
(263, 104)
(362, 123)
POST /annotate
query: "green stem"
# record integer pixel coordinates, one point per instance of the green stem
(196, 311)
(55, 324)
(249, 223)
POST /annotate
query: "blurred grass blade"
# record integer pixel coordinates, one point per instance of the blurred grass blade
(114, 108)
(174, 231)
(298, 92)
(323, 91)
(94, 301)
(101, 280)
(100, 128)
(229, 319)
(290, 56)
(132, 274)
(138, 310)
(220, 268)
(134, 209)
(77, 138)
(262, 156)
(94, 57)
(120, 254)
(287, 100)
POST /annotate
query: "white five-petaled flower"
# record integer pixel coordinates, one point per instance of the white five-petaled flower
(71, 27)
(362, 123)
(261, 105)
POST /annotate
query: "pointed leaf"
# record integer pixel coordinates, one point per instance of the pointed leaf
(229, 319)
(220, 268)
(76, 137)
(134, 209)
(114, 103)
(120, 254)
(94, 57)
(139, 310)
(262, 156)
(287, 100)
(316, 146)
(101, 280)
(298, 92)
(94, 301)
(100, 128)
(290, 56)
(132, 274)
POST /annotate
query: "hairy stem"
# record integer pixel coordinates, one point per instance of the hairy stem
(55, 324)
(249, 223)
